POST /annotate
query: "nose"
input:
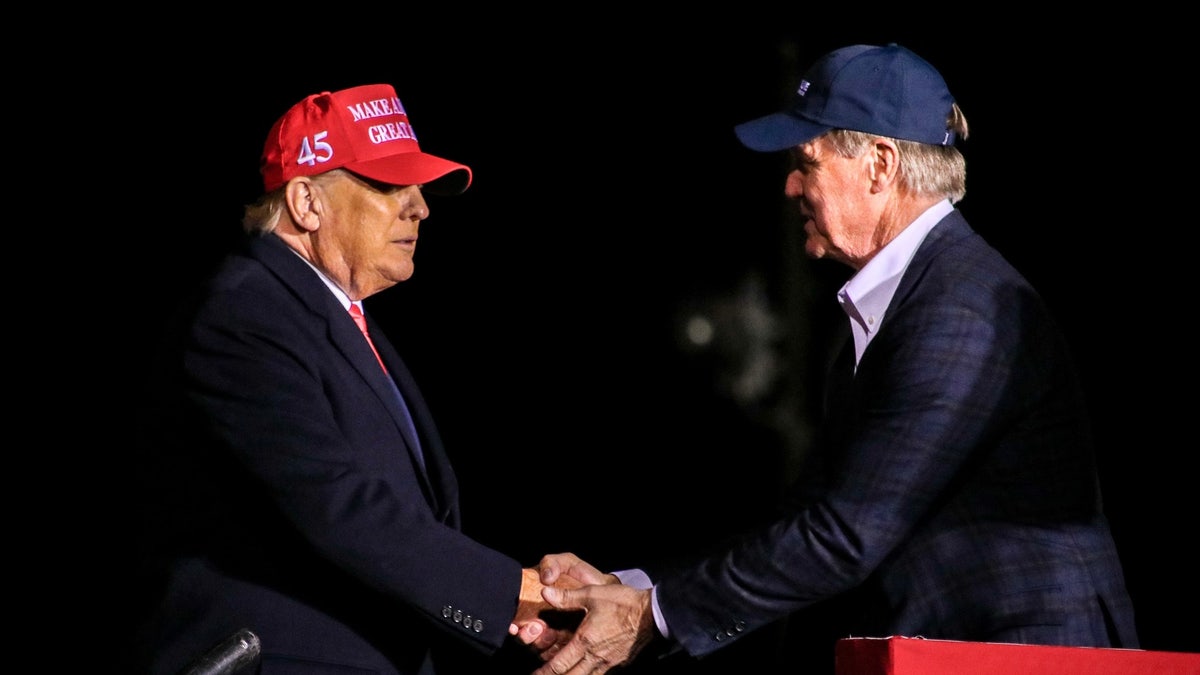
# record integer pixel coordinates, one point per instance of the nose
(793, 187)
(417, 207)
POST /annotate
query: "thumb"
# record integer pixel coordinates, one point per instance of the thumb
(561, 598)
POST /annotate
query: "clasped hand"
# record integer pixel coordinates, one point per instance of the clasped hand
(607, 624)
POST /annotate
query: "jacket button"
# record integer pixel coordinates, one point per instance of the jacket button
(446, 612)
(719, 636)
(478, 625)
(457, 616)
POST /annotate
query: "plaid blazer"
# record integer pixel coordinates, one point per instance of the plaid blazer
(953, 493)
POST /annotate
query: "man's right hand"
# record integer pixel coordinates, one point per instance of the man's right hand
(568, 566)
(617, 624)
(538, 623)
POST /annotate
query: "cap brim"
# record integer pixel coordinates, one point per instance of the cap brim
(777, 131)
(438, 176)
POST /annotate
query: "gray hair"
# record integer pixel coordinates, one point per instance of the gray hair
(925, 170)
(262, 217)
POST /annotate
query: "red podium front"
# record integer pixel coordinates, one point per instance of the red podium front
(918, 656)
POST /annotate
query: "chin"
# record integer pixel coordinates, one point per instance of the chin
(401, 270)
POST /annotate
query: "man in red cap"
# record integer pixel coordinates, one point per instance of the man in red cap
(953, 492)
(299, 487)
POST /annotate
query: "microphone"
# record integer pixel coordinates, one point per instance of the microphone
(231, 656)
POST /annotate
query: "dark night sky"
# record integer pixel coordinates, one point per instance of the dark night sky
(611, 201)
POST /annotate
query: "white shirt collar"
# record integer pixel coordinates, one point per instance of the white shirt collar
(866, 296)
(337, 292)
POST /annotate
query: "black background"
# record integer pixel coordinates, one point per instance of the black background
(611, 202)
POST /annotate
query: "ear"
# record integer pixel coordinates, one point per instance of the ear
(302, 197)
(885, 164)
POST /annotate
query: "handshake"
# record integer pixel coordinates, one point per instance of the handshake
(579, 619)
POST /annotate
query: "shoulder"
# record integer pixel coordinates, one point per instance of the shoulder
(955, 260)
(262, 288)
(957, 279)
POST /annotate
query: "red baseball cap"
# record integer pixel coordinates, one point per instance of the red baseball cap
(362, 129)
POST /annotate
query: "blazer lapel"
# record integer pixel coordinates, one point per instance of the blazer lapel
(438, 476)
(348, 340)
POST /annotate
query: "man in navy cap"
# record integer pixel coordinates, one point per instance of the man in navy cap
(953, 492)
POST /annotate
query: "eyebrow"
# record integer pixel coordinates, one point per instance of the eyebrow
(801, 160)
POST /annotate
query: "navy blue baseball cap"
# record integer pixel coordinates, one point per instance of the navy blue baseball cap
(889, 91)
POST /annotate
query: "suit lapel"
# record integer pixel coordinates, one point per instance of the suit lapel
(839, 382)
(346, 338)
(438, 473)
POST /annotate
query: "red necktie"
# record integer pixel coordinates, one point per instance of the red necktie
(361, 320)
(410, 429)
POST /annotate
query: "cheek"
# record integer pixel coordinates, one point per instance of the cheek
(819, 205)
(827, 204)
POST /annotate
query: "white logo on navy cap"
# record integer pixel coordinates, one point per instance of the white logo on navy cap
(804, 85)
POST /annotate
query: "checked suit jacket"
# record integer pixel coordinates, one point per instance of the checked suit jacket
(285, 500)
(953, 493)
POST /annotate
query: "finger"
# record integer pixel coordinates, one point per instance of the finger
(568, 662)
(569, 657)
(549, 642)
(584, 573)
(527, 633)
(561, 598)
(551, 566)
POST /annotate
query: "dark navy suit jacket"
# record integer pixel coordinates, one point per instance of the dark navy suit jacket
(286, 500)
(954, 492)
